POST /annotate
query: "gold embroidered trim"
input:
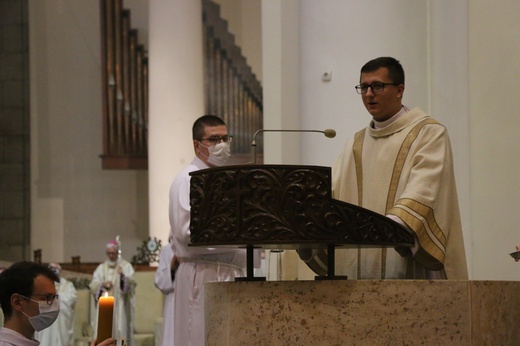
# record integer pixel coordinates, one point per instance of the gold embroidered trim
(401, 157)
(396, 173)
(357, 150)
(421, 218)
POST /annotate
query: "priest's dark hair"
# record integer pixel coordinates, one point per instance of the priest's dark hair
(395, 69)
(202, 122)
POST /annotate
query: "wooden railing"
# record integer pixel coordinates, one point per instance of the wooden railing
(125, 90)
(232, 89)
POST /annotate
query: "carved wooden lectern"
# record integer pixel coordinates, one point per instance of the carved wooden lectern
(282, 207)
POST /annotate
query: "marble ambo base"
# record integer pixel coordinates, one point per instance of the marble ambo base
(363, 312)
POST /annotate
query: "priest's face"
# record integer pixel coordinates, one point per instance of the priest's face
(382, 105)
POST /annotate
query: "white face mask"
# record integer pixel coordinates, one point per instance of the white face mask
(48, 314)
(218, 154)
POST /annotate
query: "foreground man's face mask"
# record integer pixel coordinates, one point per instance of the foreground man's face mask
(48, 314)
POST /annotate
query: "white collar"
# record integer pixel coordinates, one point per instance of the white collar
(382, 124)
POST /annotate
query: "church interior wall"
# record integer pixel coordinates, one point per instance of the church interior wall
(464, 73)
(14, 131)
(494, 75)
(76, 206)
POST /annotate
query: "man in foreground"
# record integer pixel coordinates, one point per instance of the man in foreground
(61, 333)
(29, 302)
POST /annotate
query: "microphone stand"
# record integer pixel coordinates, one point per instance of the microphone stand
(329, 133)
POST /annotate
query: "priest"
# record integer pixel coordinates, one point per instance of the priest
(401, 166)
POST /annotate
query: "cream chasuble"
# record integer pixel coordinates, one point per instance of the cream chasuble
(406, 170)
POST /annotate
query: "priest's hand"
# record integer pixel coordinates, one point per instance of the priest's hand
(107, 342)
(107, 285)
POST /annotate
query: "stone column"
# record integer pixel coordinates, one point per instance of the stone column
(176, 98)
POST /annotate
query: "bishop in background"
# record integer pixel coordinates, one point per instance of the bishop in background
(115, 277)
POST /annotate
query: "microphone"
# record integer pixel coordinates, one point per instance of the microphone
(329, 133)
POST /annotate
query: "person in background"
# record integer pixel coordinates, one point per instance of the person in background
(198, 265)
(29, 302)
(61, 332)
(115, 277)
(164, 279)
(401, 166)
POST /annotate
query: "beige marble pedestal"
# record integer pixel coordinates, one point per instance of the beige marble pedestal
(363, 312)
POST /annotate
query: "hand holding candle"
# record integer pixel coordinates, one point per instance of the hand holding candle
(105, 315)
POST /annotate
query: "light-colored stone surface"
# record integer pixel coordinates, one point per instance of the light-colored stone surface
(495, 307)
(363, 312)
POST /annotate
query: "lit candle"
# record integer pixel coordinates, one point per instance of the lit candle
(105, 315)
